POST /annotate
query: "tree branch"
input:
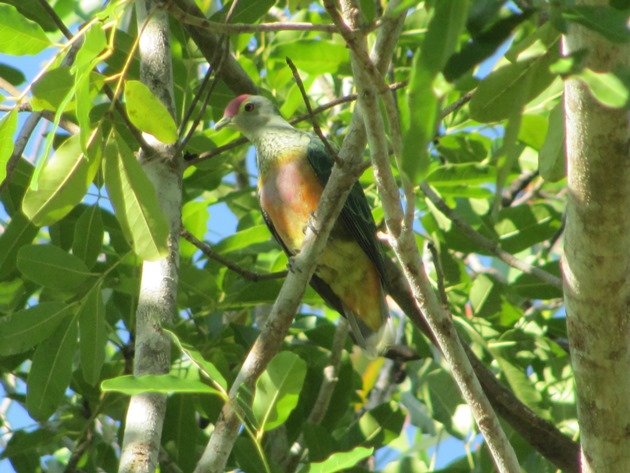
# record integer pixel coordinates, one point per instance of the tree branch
(215, 27)
(404, 245)
(157, 301)
(208, 43)
(332, 200)
(488, 244)
(213, 255)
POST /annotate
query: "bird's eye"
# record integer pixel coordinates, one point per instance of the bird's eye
(249, 107)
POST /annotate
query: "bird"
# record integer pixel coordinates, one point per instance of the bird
(293, 168)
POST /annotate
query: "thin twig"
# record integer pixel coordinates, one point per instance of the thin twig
(488, 244)
(6, 85)
(223, 28)
(318, 131)
(509, 194)
(459, 103)
(439, 274)
(64, 123)
(406, 250)
(213, 255)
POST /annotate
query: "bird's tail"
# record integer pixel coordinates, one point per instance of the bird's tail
(374, 342)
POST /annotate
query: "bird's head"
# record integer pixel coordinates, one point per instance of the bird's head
(249, 114)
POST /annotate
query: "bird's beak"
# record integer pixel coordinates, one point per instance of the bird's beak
(225, 121)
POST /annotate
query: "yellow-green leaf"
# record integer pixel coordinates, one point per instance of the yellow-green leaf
(149, 114)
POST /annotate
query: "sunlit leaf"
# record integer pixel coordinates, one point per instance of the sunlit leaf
(340, 461)
(63, 181)
(495, 97)
(156, 383)
(52, 88)
(19, 35)
(312, 56)
(606, 87)
(135, 201)
(93, 43)
(147, 113)
(8, 125)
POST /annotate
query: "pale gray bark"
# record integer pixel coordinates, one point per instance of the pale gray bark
(403, 242)
(596, 259)
(157, 302)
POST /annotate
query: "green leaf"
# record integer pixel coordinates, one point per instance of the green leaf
(522, 226)
(156, 383)
(485, 296)
(339, 461)
(419, 115)
(494, 99)
(204, 366)
(147, 113)
(195, 219)
(246, 12)
(482, 45)
(63, 181)
(50, 266)
(278, 390)
(522, 386)
(87, 58)
(180, 431)
(135, 201)
(466, 173)
(23, 330)
(551, 154)
(20, 231)
(243, 239)
(8, 125)
(51, 371)
(609, 22)
(606, 87)
(313, 56)
(442, 37)
(52, 89)
(420, 110)
(88, 235)
(12, 75)
(92, 335)
(18, 35)
(531, 287)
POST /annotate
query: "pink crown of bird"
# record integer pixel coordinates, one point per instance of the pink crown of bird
(293, 168)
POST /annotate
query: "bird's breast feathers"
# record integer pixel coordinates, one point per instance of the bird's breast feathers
(289, 193)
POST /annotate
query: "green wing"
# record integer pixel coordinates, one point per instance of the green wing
(356, 217)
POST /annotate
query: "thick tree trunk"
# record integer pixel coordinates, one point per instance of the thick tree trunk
(157, 302)
(596, 260)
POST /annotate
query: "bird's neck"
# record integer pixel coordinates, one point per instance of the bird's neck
(273, 140)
